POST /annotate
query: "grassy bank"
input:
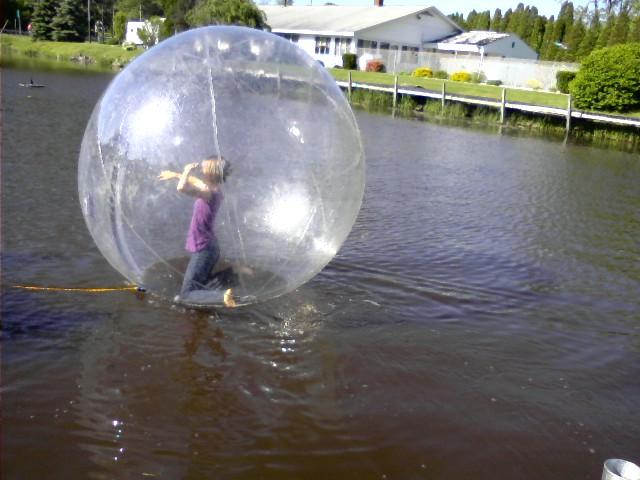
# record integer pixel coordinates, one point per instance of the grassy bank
(96, 54)
(532, 97)
(619, 137)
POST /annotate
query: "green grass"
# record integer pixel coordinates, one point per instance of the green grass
(99, 54)
(492, 92)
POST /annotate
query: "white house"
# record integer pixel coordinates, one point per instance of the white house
(326, 32)
(484, 44)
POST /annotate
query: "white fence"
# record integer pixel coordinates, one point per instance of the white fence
(513, 72)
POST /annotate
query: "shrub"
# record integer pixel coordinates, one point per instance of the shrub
(477, 77)
(423, 72)
(563, 77)
(461, 76)
(375, 66)
(609, 79)
(494, 82)
(349, 61)
(441, 74)
(534, 84)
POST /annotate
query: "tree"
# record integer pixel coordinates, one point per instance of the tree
(175, 12)
(459, 19)
(620, 29)
(537, 34)
(547, 47)
(609, 79)
(505, 20)
(120, 27)
(41, 20)
(149, 34)
(70, 22)
(496, 20)
(139, 9)
(564, 23)
(634, 31)
(574, 40)
(591, 36)
(483, 21)
(605, 31)
(227, 12)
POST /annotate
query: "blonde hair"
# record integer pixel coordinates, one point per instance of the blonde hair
(216, 169)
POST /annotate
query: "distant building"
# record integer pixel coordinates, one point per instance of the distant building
(484, 43)
(326, 32)
(132, 31)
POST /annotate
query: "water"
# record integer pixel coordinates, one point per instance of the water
(482, 320)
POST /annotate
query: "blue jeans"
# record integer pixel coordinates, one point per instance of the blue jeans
(198, 275)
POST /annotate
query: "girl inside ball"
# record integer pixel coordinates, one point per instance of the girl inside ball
(199, 280)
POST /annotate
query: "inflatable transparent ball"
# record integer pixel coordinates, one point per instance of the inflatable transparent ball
(262, 104)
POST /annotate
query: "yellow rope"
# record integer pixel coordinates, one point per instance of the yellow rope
(67, 289)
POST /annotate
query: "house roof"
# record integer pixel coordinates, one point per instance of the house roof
(474, 37)
(334, 18)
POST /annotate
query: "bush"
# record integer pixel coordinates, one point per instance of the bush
(441, 74)
(349, 61)
(477, 77)
(375, 66)
(423, 72)
(609, 79)
(461, 76)
(534, 84)
(563, 77)
(496, 83)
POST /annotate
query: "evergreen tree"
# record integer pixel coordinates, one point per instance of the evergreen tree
(576, 36)
(564, 23)
(634, 30)
(496, 21)
(590, 38)
(483, 20)
(537, 34)
(546, 49)
(514, 19)
(620, 29)
(70, 22)
(605, 32)
(471, 20)
(43, 15)
(459, 19)
(505, 20)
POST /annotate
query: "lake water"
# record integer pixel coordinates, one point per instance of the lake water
(482, 321)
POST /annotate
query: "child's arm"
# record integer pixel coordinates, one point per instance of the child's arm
(189, 185)
(193, 185)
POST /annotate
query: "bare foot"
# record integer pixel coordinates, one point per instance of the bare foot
(229, 301)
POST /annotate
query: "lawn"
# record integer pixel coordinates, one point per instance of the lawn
(100, 54)
(492, 92)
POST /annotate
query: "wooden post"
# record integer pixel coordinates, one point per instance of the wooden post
(504, 97)
(444, 93)
(395, 91)
(349, 86)
(568, 113)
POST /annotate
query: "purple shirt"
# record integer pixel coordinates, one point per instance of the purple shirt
(202, 222)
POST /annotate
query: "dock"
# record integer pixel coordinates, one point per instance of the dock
(503, 105)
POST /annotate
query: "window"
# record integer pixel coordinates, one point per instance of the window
(513, 44)
(342, 45)
(384, 46)
(322, 45)
(292, 37)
